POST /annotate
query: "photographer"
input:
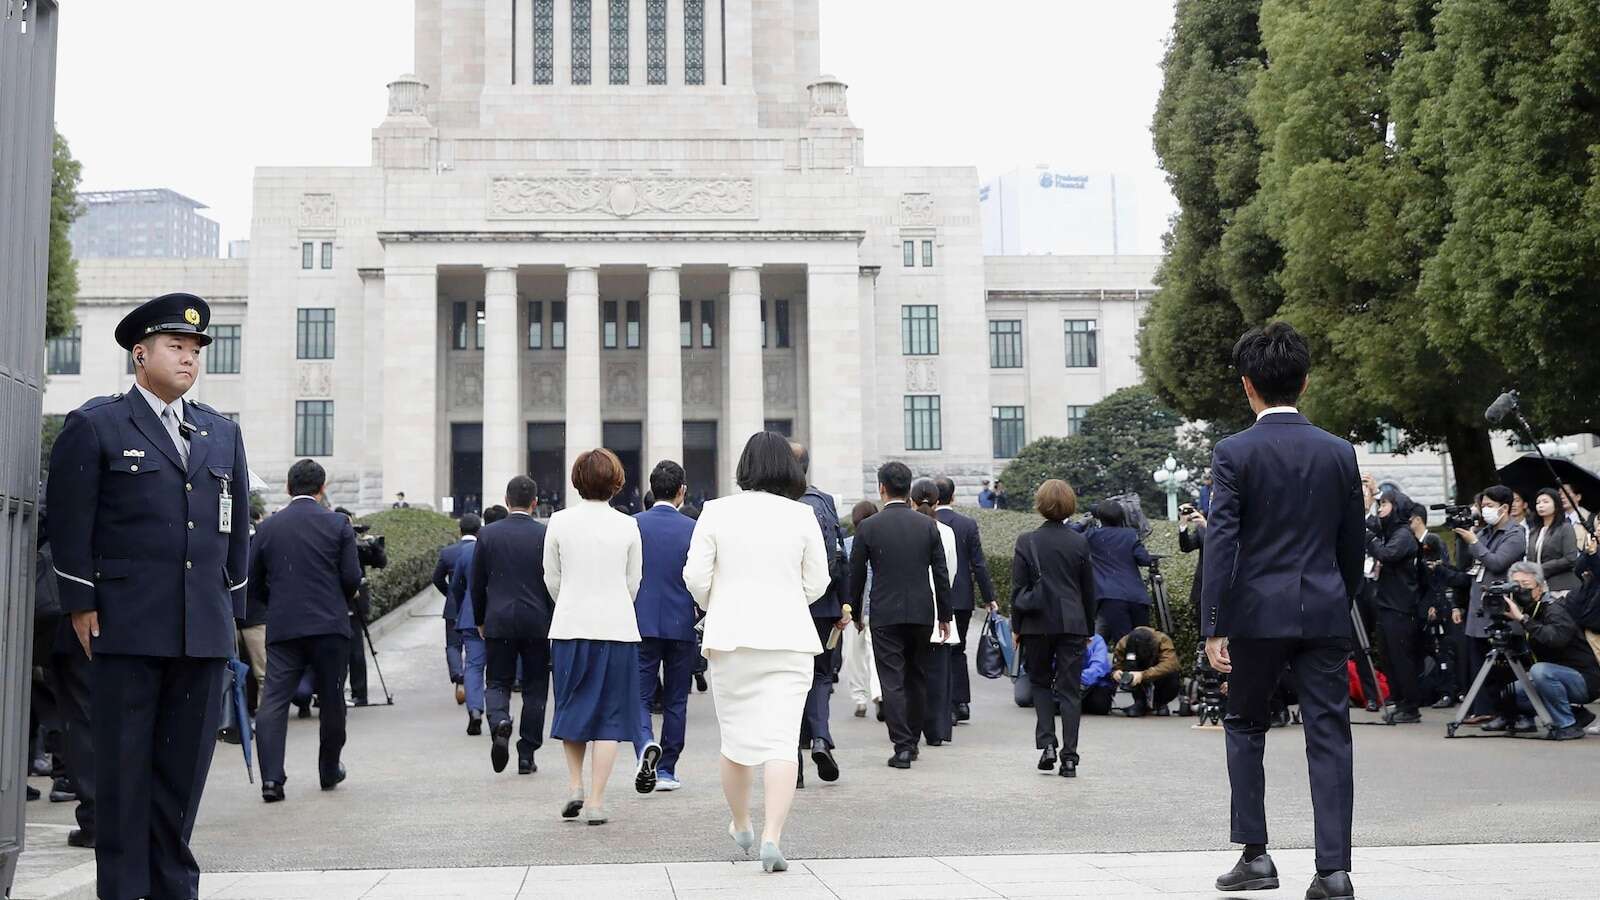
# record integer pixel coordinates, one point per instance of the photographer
(1493, 547)
(1393, 548)
(1146, 665)
(1565, 671)
(370, 553)
(1448, 679)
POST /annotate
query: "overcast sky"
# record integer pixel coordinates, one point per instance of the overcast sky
(194, 94)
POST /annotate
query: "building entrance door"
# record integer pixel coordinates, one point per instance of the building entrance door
(547, 463)
(466, 466)
(626, 440)
(700, 460)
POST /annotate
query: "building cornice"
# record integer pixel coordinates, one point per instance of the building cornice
(617, 237)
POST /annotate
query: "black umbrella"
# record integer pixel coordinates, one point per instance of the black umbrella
(1529, 475)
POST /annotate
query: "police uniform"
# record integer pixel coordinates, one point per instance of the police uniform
(154, 537)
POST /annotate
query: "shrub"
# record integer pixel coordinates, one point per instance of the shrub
(412, 538)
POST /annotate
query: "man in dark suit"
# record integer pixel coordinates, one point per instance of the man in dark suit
(513, 608)
(150, 542)
(827, 615)
(972, 571)
(304, 571)
(1283, 559)
(903, 548)
(454, 651)
(666, 615)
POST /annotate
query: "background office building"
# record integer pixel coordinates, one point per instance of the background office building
(155, 222)
(1045, 209)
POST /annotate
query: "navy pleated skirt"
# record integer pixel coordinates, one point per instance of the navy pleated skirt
(596, 690)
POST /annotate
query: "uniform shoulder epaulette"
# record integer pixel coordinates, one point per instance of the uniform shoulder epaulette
(97, 402)
(204, 408)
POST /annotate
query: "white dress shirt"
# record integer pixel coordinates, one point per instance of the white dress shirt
(169, 414)
(1274, 410)
(592, 563)
(947, 537)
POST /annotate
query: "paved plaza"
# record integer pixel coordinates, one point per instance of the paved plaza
(1147, 814)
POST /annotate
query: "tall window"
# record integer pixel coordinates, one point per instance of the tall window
(1009, 434)
(64, 354)
(1005, 344)
(582, 24)
(780, 322)
(919, 330)
(708, 323)
(313, 428)
(694, 41)
(927, 253)
(558, 325)
(1388, 441)
(631, 338)
(908, 253)
(1075, 420)
(458, 325)
(608, 324)
(922, 423)
(685, 323)
(308, 254)
(327, 254)
(618, 30)
(535, 324)
(1081, 351)
(763, 307)
(544, 42)
(655, 41)
(313, 333)
(479, 321)
(222, 357)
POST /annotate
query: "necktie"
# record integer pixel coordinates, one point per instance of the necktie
(169, 420)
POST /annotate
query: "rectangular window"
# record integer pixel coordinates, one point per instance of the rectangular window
(708, 323)
(458, 325)
(919, 330)
(1075, 420)
(1009, 435)
(544, 42)
(582, 31)
(632, 336)
(308, 254)
(780, 315)
(685, 323)
(694, 41)
(313, 428)
(1388, 441)
(313, 329)
(608, 324)
(908, 253)
(655, 41)
(617, 28)
(1005, 344)
(763, 306)
(222, 357)
(558, 325)
(327, 254)
(64, 353)
(784, 427)
(535, 324)
(927, 254)
(479, 320)
(922, 423)
(1081, 351)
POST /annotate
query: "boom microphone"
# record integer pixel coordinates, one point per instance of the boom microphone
(1501, 407)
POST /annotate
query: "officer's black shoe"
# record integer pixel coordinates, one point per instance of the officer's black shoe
(62, 791)
(77, 837)
(474, 725)
(827, 766)
(963, 712)
(329, 784)
(1047, 759)
(526, 765)
(1335, 886)
(271, 792)
(1069, 767)
(500, 749)
(1257, 874)
(33, 793)
(900, 760)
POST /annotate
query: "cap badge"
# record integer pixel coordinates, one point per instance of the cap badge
(192, 316)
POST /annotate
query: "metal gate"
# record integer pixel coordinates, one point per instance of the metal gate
(27, 107)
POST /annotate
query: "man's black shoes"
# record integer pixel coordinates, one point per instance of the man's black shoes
(62, 790)
(329, 784)
(963, 712)
(33, 793)
(474, 725)
(526, 765)
(1257, 874)
(1047, 759)
(77, 837)
(500, 749)
(900, 760)
(1333, 886)
(1069, 767)
(271, 792)
(827, 768)
(1403, 717)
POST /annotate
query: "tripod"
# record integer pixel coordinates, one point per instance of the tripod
(1157, 584)
(388, 698)
(1366, 667)
(1500, 653)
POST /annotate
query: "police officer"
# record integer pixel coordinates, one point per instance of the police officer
(148, 517)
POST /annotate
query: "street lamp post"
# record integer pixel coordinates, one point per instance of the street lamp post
(1171, 478)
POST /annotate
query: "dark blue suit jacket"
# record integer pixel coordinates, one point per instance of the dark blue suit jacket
(972, 570)
(441, 578)
(1284, 539)
(461, 583)
(509, 598)
(304, 571)
(135, 534)
(664, 607)
(1117, 554)
(831, 604)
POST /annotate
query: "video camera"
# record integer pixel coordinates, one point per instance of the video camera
(1495, 593)
(370, 548)
(1458, 516)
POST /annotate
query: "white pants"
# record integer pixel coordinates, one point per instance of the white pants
(859, 671)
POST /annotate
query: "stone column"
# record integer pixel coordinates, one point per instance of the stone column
(411, 383)
(867, 300)
(583, 366)
(743, 392)
(372, 362)
(833, 341)
(663, 427)
(502, 384)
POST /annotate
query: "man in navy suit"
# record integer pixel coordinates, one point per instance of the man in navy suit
(513, 608)
(666, 614)
(827, 615)
(1283, 561)
(454, 650)
(303, 569)
(972, 571)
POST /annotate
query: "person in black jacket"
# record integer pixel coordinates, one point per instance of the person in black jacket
(1052, 564)
(454, 649)
(303, 569)
(370, 554)
(1393, 549)
(971, 572)
(827, 616)
(1565, 673)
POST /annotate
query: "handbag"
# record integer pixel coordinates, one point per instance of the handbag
(1022, 688)
(1030, 598)
(991, 659)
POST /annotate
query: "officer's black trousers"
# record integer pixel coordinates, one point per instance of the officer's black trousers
(155, 727)
(69, 675)
(326, 655)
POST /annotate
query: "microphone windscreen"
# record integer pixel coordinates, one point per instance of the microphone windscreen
(1500, 408)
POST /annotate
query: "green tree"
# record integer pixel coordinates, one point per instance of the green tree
(61, 285)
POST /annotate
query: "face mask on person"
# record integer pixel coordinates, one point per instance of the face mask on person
(1491, 515)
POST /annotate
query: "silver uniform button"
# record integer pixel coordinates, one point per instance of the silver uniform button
(187, 564)
(133, 468)
(188, 487)
(191, 526)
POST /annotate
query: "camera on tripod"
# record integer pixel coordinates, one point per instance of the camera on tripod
(370, 548)
(1458, 516)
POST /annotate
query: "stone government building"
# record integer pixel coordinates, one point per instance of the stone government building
(643, 224)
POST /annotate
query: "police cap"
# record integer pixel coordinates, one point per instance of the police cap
(166, 314)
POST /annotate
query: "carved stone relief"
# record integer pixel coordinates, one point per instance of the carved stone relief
(699, 385)
(526, 197)
(318, 211)
(466, 384)
(922, 375)
(315, 380)
(545, 388)
(916, 209)
(778, 374)
(622, 385)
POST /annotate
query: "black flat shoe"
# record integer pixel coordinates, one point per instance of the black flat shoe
(526, 766)
(1069, 768)
(963, 712)
(900, 760)
(271, 792)
(474, 725)
(500, 748)
(827, 767)
(700, 683)
(33, 793)
(1047, 759)
(1336, 886)
(572, 808)
(1258, 874)
(338, 778)
(77, 837)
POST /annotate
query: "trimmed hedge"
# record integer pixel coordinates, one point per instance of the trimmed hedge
(412, 539)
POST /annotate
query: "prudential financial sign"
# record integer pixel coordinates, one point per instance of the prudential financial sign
(1067, 182)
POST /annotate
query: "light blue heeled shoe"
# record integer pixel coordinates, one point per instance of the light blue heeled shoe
(772, 858)
(745, 839)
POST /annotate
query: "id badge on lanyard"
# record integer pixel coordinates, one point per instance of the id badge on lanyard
(225, 507)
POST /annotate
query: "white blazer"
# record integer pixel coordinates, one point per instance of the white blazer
(756, 562)
(592, 564)
(947, 537)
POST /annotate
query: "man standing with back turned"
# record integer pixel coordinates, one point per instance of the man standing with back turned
(1283, 560)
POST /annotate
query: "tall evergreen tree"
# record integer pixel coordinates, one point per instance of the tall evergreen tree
(61, 281)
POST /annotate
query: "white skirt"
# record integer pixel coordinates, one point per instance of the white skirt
(760, 697)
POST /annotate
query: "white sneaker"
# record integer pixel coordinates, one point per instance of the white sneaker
(666, 781)
(1593, 729)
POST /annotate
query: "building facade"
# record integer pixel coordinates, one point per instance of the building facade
(1045, 209)
(156, 222)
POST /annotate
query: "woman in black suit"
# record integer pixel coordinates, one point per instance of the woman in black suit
(1053, 607)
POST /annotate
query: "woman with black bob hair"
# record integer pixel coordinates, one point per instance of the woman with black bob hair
(755, 563)
(1118, 553)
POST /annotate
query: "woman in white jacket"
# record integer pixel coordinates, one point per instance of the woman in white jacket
(756, 562)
